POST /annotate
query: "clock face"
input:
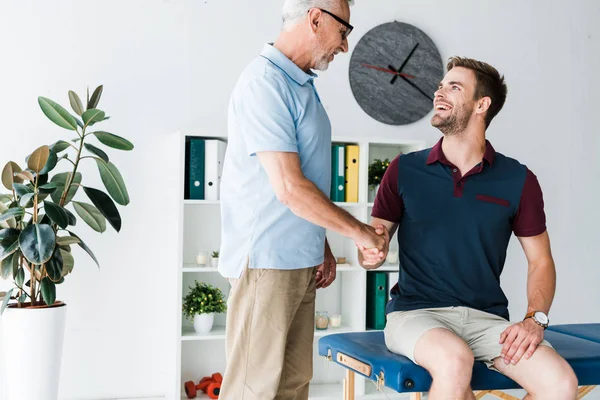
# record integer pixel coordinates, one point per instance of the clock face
(395, 69)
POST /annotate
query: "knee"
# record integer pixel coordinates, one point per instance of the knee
(455, 365)
(566, 385)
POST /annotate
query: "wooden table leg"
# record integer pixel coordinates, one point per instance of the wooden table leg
(349, 385)
(415, 396)
(584, 390)
(479, 394)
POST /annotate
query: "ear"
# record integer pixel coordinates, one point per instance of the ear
(314, 19)
(483, 105)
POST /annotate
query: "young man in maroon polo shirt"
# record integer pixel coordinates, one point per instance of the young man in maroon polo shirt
(455, 207)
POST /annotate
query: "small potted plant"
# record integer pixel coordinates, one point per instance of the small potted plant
(214, 259)
(376, 171)
(201, 304)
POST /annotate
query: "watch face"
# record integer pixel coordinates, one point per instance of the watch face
(541, 317)
(395, 70)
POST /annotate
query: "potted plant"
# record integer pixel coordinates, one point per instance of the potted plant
(376, 171)
(37, 235)
(214, 258)
(201, 304)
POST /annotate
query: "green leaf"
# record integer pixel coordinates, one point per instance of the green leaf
(95, 99)
(50, 163)
(113, 181)
(5, 198)
(48, 291)
(54, 266)
(21, 189)
(105, 205)
(11, 223)
(80, 124)
(38, 158)
(86, 248)
(37, 243)
(72, 219)
(6, 299)
(114, 141)
(57, 214)
(16, 212)
(60, 180)
(6, 266)
(91, 116)
(96, 151)
(20, 277)
(90, 215)
(66, 240)
(68, 262)
(48, 187)
(26, 200)
(8, 175)
(59, 146)
(9, 242)
(57, 114)
(75, 103)
(25, 175)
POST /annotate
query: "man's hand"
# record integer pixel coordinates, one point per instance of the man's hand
(326, 271)
(374, 255)
(520, 339)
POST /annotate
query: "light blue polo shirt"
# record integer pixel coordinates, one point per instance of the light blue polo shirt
(274, 107)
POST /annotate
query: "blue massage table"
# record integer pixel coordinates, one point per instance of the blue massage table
(365, 353)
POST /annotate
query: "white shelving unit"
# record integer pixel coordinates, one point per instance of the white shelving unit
(200, 355)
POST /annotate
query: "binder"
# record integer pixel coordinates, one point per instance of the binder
(214, 156)
(376, 299)
(194, 171)
(338, 169)
(351, 174)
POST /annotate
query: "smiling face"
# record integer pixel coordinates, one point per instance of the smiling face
(454, 102)
(331, 36)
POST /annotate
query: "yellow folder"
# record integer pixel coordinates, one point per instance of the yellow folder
(352, 174)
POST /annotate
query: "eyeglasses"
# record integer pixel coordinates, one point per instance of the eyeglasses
(341, 21)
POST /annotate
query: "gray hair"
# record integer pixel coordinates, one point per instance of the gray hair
(294, 10)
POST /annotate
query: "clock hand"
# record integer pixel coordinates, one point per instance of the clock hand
(389, 71)
(404, 63)
(418, 88)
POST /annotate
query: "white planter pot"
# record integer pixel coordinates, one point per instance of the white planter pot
(203, 323)
(33, 346)
(214, 261)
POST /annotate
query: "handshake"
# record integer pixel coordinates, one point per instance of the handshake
(373, 245)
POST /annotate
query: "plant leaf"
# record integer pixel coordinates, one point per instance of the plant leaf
(25, 200)
(15, 212)
(90, 215)
(25, 175)
(20, 276)
(50, 163)
(114, 141)
(91, 116)
(113, 181)
(75, 103)
(6, 299)
(85, 247)
(57, 214)
(60, 180)
(66, 240)
(11, 223)
(59, 146)
(54, 266)
(5, 198)
(95, 99)
(21, 189)
(105, 205)
(6, 266)
(38, 158)
(9, 242)
(68, 262)
(37, 243)
(48, 187)
(57, 114)
(8, 177)
(72, 219)
(48, 291)
(96, 151)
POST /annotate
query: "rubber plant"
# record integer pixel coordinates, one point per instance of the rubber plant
(36, 224)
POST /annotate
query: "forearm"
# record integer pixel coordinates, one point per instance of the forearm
(541, 285)
(306, 201)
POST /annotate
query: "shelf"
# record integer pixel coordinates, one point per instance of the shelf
(344, 204)
(217, 333)
(331, 331)
(387, 268)
(202, 202)
(198, 268)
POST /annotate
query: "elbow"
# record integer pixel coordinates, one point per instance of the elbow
(286, 193)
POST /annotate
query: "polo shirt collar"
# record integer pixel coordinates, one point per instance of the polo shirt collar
(436, 153)
(286, 65)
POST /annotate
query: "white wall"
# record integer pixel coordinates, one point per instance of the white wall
(169, 65)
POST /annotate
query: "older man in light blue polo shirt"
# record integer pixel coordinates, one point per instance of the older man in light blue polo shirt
(275, 206)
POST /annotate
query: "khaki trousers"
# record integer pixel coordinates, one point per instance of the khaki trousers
(269, 335)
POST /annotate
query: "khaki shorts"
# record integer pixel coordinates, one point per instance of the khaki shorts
(480, 330)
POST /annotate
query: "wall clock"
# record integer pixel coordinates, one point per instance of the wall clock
(395, 69)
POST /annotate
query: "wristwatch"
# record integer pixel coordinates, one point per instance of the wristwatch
(539, 318)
